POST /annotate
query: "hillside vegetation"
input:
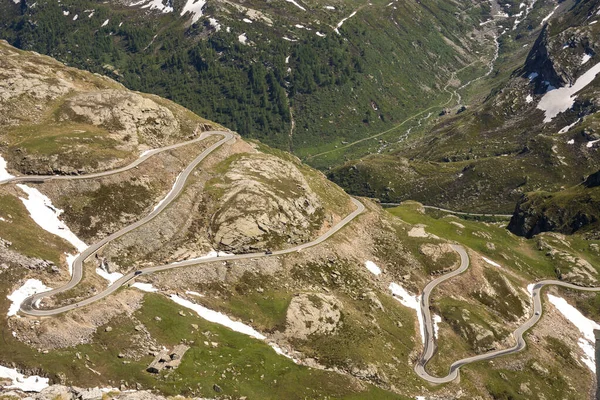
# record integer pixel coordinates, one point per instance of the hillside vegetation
(294, 82)
(502, 145)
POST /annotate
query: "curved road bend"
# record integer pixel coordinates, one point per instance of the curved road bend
(28, 305)
(148, 154)
(429, 338)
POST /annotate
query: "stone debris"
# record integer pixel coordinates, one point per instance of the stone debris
(168, 360)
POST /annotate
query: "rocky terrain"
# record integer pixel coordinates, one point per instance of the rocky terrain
(504, 143)
(321, 322)
(58, 120)
(571, 210)
(265, 201)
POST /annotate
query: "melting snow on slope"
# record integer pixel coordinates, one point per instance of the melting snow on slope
(568, 127)
(213, 22)
(371, 266)
(410, 301)
(591, 144)
(296, 4)
(32, 383)
(586, 327)
(487, 260)
(46, 215)
(168, 194)
(29, 288)
(339, 24)
(436, 320)
(195, 7)
(145, 287)
(585, 58)
(218, 318)
(155, 5)
(222, 319)
(558, 100)
(210, 254)
(3, 172)
(549, 15)
(191, 292)
(111, 277)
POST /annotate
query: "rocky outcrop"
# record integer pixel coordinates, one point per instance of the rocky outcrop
(265, 202)
(310, 314)
(126, 113)
(570, 211)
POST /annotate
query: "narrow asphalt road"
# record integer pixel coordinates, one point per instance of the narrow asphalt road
(520, 344)
(148, 154)
(29, 304)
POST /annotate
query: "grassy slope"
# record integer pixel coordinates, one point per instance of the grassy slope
(388, 62)
(485, 158)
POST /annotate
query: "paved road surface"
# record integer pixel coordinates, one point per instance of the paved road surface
(44, 178)
(455, 212)
(29, 305)
(520, 344)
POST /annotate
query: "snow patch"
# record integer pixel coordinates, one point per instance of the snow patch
(296, 4)
(585, 58)
(339, 24)
(549, 15)
(66, 12)
(194, 7)
(111, 277)
(586, 327)
(168, 194)
(436, 319)
(4, 175)
(568, 127)
(487, 260)
(104, 23)
(242, 38)
(29, 288)
(248, 21)
(31, 383)
(218, 318)
(572, 141)
(559, 100)
(319, 34)
(330, 7)
(145, 287)
(589, 145)
(191, 292)
(75, 17)
(46, 215)
(410, 301)
(373, 268)
(213, 22)
(533, 75)
(529, 98)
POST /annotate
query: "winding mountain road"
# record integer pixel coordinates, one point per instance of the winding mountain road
(520, 344)
(29, 305)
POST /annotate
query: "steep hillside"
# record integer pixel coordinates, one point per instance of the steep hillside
(526, 128)
(301, 76)
(572, 210)
(279, 284)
